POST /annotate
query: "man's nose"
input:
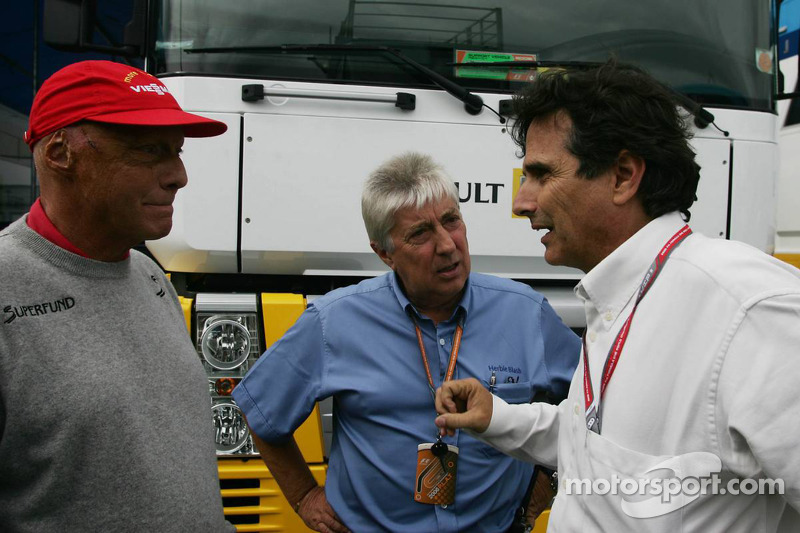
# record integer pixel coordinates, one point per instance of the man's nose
(444, 242)
(525, 202)
(174, 176)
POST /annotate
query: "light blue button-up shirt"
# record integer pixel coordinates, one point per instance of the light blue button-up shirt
(358, 345)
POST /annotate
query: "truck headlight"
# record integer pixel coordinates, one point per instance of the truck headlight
(225, 344)
(230, 428)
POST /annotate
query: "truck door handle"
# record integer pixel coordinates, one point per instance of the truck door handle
(256, 92)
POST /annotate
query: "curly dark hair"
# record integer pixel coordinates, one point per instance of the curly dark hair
(617, 107)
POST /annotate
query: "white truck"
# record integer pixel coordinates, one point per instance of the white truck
(317, 93)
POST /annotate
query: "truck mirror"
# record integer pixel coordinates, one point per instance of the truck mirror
(69, 25)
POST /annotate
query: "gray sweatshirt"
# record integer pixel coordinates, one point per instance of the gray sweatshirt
(105, 421)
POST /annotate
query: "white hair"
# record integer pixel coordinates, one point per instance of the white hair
(407, 180)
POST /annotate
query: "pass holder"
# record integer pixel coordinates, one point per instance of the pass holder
(435, 482)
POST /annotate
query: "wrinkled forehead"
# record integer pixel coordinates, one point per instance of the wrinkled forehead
(556, 125)
(547, 140)
(133, 134)
(429, 211)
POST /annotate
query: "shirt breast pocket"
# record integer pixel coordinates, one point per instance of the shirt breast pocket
(519, 392)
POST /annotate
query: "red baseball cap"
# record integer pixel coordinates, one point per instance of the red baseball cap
(104, 91)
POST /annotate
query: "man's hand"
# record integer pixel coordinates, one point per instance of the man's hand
(463, 403)
(318, 514)
(289, 468)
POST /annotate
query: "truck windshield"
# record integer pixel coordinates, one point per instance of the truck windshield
(718, 52)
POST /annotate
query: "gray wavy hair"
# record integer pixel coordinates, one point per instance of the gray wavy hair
(406, 180)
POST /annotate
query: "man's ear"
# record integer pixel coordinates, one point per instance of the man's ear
(629, 171)
(383, 254)
(58, 154)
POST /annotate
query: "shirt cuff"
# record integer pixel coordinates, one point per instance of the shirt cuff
(528, 432)
(501, 421)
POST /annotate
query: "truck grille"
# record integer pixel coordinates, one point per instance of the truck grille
(252, 500)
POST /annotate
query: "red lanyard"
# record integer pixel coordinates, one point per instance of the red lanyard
(614, 353)
(451, 365)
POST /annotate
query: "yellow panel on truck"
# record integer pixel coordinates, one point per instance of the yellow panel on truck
(251, 498)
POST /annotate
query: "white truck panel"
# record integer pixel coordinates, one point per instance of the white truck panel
(305, 160)
(204, 223)
(787, 239)
(303, 178)
(710, 211)
(753, 197)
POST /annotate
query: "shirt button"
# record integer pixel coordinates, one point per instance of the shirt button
(441, 341)
(577, 409)
(592, 336)
(608, 316)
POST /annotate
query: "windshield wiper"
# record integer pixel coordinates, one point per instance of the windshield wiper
(702, 117)
(473, 103)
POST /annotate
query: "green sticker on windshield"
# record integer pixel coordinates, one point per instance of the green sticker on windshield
(507, 73)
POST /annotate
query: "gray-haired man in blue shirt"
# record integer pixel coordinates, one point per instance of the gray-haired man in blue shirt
(380, 348)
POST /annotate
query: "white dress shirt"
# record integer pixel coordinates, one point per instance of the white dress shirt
(711, 365)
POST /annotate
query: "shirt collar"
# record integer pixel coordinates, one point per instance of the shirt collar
(464, 304)
(39, 222)
(611, 284)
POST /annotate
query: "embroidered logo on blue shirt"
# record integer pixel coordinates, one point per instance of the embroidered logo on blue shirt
(497, 370)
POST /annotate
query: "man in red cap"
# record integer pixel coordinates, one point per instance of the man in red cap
(104, 419)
